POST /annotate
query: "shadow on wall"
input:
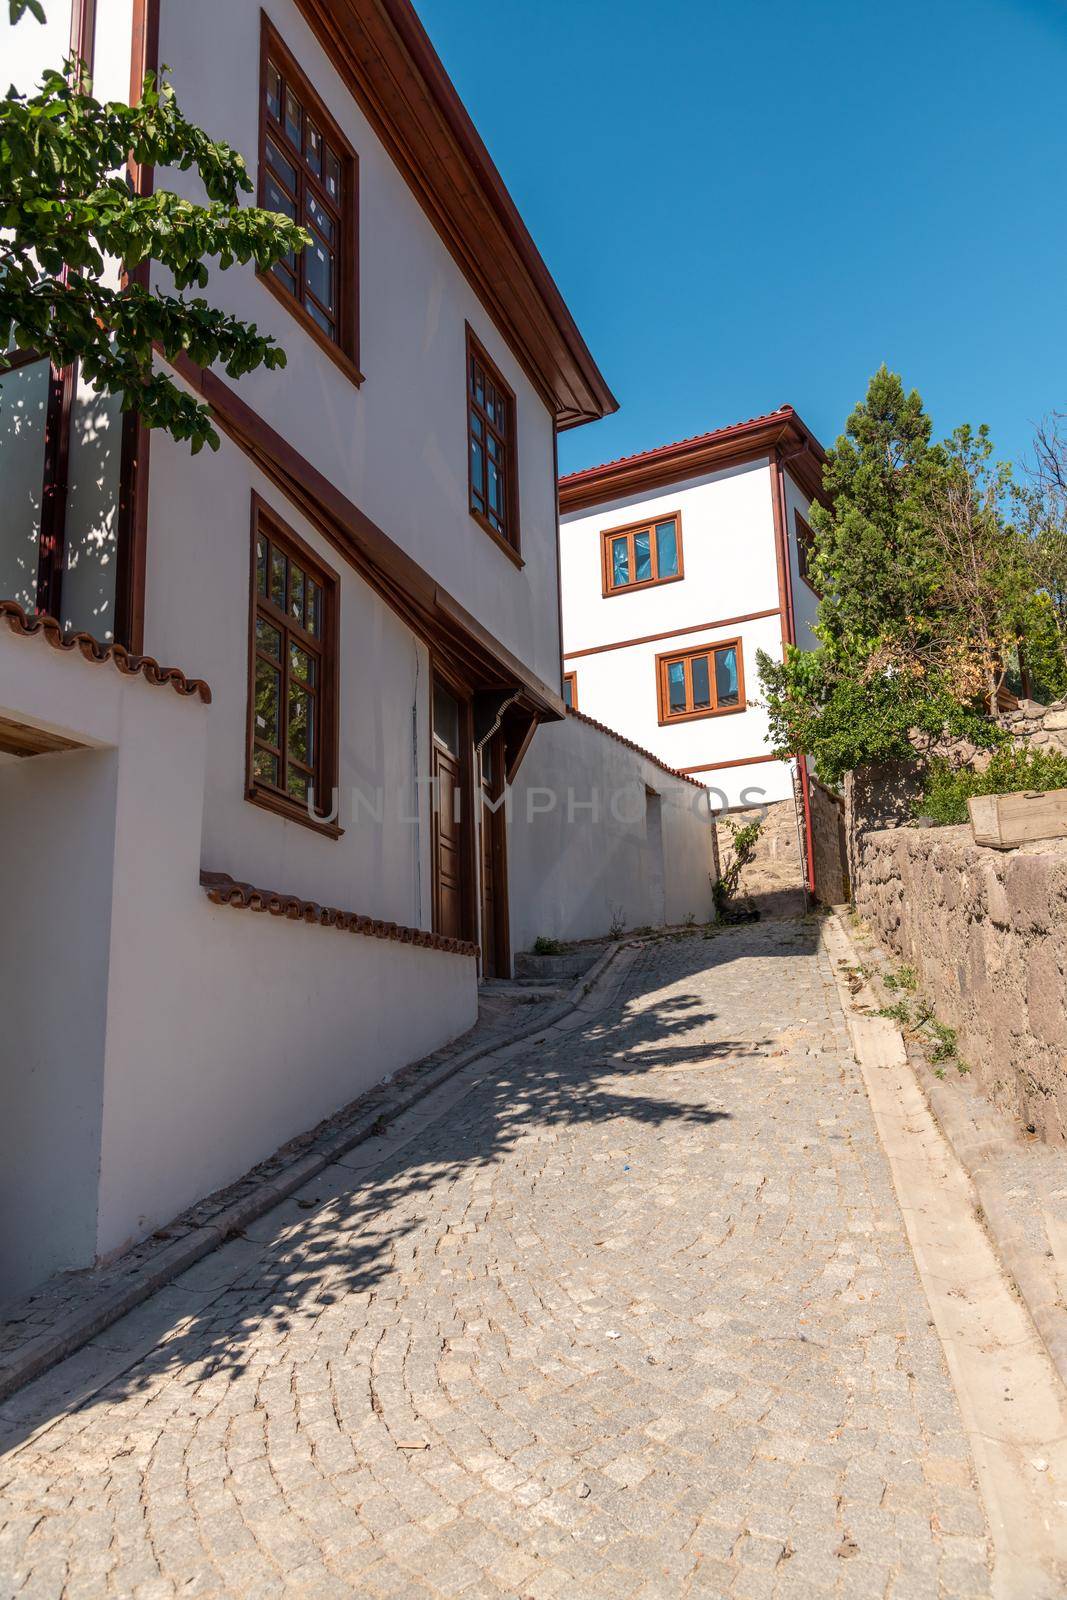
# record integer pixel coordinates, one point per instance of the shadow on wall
(345, 1244)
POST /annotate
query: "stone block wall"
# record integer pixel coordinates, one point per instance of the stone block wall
(777, 869)
(986, 932)
(828, 838)
(1043, 726)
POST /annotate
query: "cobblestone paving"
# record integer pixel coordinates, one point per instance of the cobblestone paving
(636, 1317)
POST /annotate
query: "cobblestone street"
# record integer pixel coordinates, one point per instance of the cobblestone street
(633, 1315)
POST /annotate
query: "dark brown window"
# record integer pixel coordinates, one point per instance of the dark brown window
(642, 554)
(704, 682)
(491, 452)
(308, 171)
(805, 550)
(570, 690)
(293, 689)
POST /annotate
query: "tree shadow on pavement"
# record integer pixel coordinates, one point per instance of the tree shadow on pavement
(342, 1234)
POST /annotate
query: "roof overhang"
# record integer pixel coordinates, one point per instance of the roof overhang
(781, 434)
(383, 54)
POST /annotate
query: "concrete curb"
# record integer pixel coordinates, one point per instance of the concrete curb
(971, 1140)
(74, 1329)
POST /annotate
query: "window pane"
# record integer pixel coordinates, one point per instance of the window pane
(297, 783)
(276, 199)
(318, 272)
(333, 176)
(676, 685)
(620, 563)
(314, 608)
(265, 766)
(320, 219)
(313, 152)
(277, 578)
(261, 564)
(292, 117)
(446, 718)
(268, 639)
(282, 166)
(322, 319)
(477, 474)
(568, 695)
(296, 592)
(642, 557)
(667, 549)
(301, 664)
(479, 385)
(701, 683)
(726, 684)
(274, 91)
(496, 489)
(300, 726)
(268, 701)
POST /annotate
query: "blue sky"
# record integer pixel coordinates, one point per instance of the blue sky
(746, 204)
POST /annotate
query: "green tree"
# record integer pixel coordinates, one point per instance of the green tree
(925, 593)
(67, 209)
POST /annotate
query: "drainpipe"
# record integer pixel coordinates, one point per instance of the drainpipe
(785, 569)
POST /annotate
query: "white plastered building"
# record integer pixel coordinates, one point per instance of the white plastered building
(357, 602)
(679, 564)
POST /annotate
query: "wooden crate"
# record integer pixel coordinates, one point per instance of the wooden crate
(1006, 820)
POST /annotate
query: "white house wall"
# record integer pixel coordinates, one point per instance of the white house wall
(396, 446)
(226, 1032)
(197, 602)
(730, 570)
(588, 845)
(805, 600)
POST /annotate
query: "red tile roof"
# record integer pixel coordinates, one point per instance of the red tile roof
(92, 649)
(731, 429)
(619, 739)
(782, 430)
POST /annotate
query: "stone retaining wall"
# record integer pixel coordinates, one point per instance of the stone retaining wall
(828, 839)
(777, 865)
(986, 932)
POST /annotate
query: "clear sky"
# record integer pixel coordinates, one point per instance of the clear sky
(749, 203)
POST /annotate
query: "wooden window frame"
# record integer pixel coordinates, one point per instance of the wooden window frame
(630, 530)
(469, 781)
(666, 716)
(325, 772)
(508, 541)
(344, 350)
(805, 548)
(572, 679)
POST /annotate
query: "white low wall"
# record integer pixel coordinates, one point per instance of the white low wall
(226, 1032)
(601, 832)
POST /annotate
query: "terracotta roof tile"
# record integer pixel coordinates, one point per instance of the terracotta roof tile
(619, 739)
(93, 650)
(223, 890)
(679, 444)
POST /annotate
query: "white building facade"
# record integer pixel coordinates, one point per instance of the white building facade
(679, 565)
(359, 593)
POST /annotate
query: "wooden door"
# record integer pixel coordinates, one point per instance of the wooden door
(496, 960)
(450, 820)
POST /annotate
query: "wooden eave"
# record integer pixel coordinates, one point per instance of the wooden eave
(383, 55)
(780, 434)
(456, 638)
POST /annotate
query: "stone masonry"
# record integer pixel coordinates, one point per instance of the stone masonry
(986, 931)
(634, 1315)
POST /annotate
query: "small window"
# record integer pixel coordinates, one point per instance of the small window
(293, 728)
(700, 683)
(570, 690)
(805, 550)
(645, 553)
(308, 171)
(491, 451)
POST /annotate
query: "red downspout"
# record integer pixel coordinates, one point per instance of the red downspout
(789, 636)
